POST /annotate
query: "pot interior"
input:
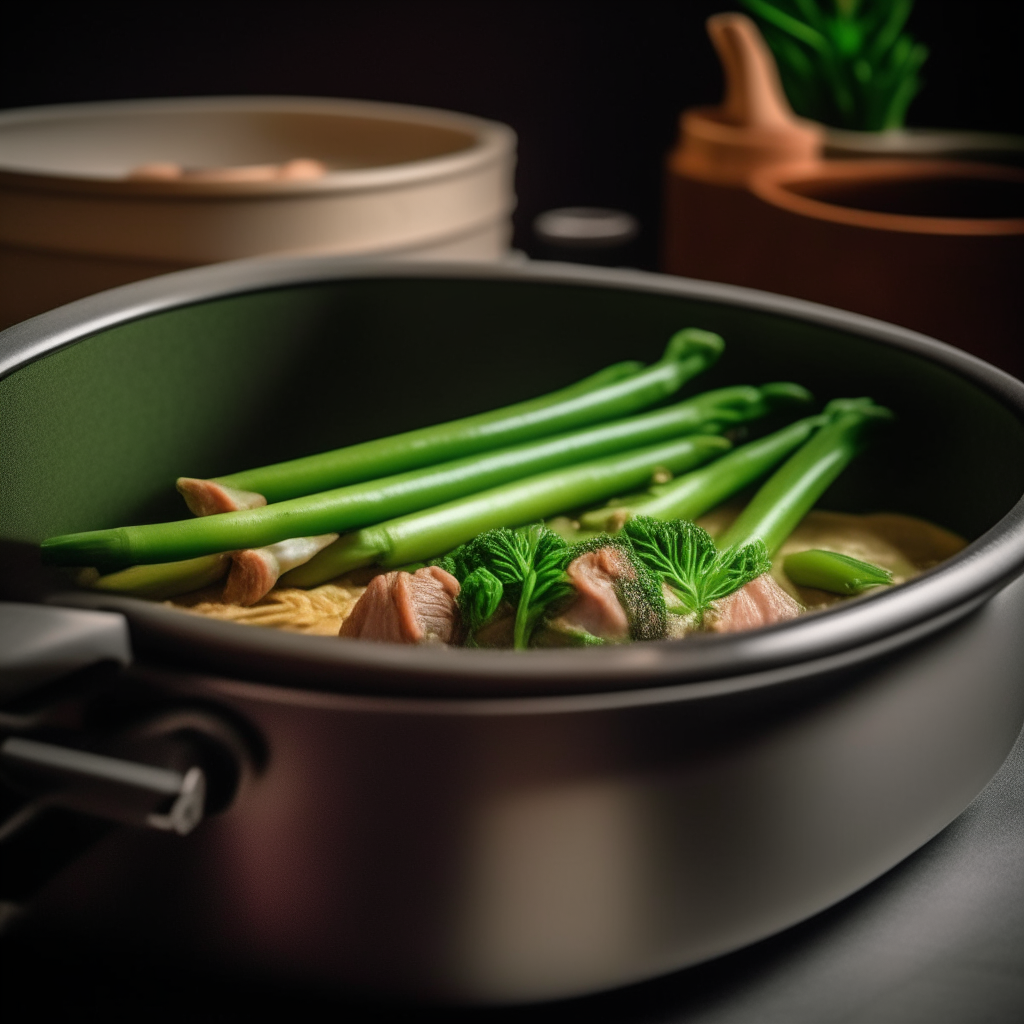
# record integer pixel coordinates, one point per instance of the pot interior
(95, 434)
(107, 141)
(960, 195)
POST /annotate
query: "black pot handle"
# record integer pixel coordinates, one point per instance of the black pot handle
(63, 787)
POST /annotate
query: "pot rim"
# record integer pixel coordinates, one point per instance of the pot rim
(491, 142)
(982, 567)
(771, 185)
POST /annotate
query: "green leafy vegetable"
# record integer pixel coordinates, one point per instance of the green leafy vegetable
(529, 563)
(836, 573)
(685, 558)
(479, 599)
(514, 554)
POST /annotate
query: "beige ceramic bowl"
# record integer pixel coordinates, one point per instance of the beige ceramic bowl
(380, 179)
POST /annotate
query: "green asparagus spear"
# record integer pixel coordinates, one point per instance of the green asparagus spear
(425, 534)
(790, 493)
(836, 573)
(615, 391)
(166, 580)
(704, 413)
(690, 496)
(348, 508)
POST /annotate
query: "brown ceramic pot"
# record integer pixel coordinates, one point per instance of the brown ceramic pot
(933, 245)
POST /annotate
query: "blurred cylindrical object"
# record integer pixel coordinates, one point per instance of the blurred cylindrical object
(937, 246)
(96, 195)
(587, 234)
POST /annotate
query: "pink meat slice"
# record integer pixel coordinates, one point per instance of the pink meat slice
(407, 608)
(207, 498)
(253, 574)
(596, 609)
(762, 602)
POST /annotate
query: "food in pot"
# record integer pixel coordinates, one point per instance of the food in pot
(362, 491)
(638, 568)
(407, 608)
(904, 545)
(835, 572)
(254, 571)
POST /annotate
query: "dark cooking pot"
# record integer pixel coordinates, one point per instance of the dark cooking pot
(493, 826)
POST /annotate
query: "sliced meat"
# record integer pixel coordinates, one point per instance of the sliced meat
(596, 609)
(407, 608)
(206, 498)
(254, 571)
(253, 575)
(762, 602)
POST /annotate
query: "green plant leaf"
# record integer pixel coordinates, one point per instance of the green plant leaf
(529, 563)
(848, 63)
(685, 558)
(889, 31)
(796, 28)
(479, 599)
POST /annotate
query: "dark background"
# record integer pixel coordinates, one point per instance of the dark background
(593, 89)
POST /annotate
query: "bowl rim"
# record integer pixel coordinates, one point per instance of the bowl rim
(491, 142)
(941, 594)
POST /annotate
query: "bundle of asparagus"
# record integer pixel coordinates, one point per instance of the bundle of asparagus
(414, 496)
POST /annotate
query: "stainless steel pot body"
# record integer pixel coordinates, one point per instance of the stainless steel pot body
(481, 827)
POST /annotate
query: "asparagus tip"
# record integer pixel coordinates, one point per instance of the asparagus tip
(780, 394)
(692, 341)
(864, 406)
(101, 548)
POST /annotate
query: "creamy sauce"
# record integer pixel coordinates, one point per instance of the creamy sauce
(316, 612)
(904, 545)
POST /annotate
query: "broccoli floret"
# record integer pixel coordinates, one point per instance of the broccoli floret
(684, 557)
(528, 565)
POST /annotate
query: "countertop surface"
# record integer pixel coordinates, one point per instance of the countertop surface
(939, 939)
